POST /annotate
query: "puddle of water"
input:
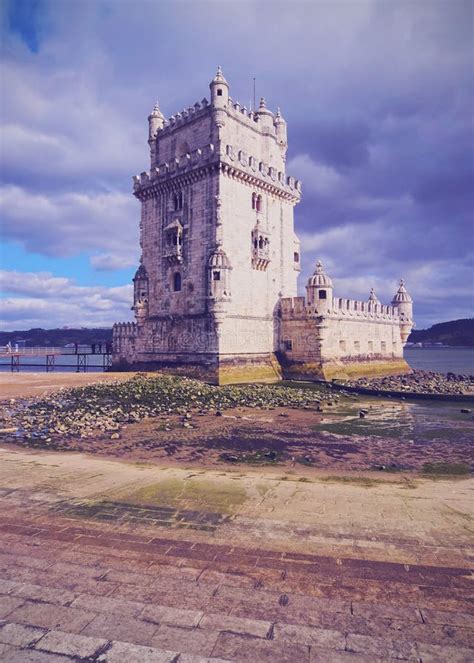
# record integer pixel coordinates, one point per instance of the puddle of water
(419, 421)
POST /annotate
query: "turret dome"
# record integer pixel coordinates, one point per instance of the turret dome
(373, 297)
(319, 279)
(219, 78)
(262, 109)
(219, 260)
(141, 272)
(156, 112)
(402, 296)
(279, 119)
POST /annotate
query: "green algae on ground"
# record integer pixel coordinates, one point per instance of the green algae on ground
(446, 469)
(366, 482)
(264, 457)
(196, 493)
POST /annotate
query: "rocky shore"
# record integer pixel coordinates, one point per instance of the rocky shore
(108, 407)
(419, 382)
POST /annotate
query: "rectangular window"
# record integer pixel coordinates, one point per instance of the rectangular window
(216, 276)
(371, 346)
(383, 346)
(322, 294)
(296, 256)
(342, 346)
(357, 346)
(288, 345)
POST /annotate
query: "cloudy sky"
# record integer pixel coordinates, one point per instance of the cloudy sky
(378, 95)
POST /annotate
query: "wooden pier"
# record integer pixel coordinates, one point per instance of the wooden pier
(19, 357)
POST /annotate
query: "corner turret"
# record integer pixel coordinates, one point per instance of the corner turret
(373, 297)
(219, 90)
(265, 116)
(319, 290)
(156, 120)
(404, 303)
(140, 294)
(281, 132)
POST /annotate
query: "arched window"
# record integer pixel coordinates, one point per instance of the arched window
(259, 203)
(178, 201)
(254, 200)
(176, 281)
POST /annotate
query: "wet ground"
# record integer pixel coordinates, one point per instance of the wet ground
(345, 433)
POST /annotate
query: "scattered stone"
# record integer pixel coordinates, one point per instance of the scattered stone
(105, 408)
(419, 382)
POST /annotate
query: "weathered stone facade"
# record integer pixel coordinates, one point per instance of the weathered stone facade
(215, 293)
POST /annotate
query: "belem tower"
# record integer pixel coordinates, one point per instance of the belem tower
(215, 294)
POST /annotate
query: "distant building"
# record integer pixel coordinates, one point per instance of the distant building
(215, 292)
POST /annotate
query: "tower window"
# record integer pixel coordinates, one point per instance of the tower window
(178, 201)
(296, 256)
(219, 92)
(322, 294)
(259, 204)
(254, 201)
(176, 281)
(216, 276)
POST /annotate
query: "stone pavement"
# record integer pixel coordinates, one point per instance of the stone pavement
(88, 573)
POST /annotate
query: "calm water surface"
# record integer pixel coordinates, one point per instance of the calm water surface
(441, 360)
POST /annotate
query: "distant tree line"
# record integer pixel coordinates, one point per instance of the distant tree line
(57, 337)
(455, 332)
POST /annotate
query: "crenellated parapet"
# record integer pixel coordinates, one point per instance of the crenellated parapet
(124, 330)
(167, 176)
(186, 116)
(233, 162)
(234, 109)
(239, 164)
(340, 308)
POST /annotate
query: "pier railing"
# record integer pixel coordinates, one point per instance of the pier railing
(16, 357)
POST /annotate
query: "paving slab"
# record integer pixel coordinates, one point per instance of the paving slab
(277, 578)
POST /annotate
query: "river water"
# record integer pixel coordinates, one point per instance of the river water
(438, 359)
(441, 360)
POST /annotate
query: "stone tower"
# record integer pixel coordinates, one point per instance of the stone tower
(217, 241)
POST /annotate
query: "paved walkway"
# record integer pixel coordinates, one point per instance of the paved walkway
(114, 562)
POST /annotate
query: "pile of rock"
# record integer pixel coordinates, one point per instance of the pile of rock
(105, 408)
(420, 382)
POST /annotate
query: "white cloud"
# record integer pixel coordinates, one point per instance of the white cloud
(109, 262)
(66, 224)
(43, 300)
(316, 177)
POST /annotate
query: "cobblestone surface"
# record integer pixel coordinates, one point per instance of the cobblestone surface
(73, 588)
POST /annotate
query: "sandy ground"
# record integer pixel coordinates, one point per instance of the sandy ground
(23, 384)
